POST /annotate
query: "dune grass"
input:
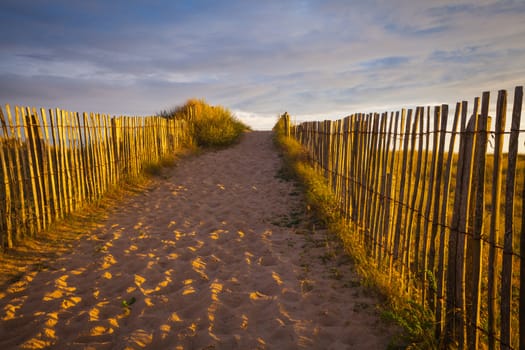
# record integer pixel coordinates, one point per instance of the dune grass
(212, 126)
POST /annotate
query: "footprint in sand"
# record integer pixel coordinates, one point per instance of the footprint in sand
(206, 266)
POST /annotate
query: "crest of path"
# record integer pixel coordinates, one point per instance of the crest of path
(218, 253)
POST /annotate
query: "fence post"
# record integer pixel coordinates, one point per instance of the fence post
(286, 119)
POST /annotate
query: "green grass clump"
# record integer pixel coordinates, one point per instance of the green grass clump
(211, 126)
(155, 168)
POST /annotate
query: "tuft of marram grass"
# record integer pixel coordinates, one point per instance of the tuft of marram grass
(212, 126)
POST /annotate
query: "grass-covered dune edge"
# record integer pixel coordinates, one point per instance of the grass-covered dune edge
(210, 126)
(416, 322)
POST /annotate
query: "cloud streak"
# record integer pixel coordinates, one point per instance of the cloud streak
(311, 58)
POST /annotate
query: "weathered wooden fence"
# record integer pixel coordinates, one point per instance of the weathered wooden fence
(53, 163)
(439, 209)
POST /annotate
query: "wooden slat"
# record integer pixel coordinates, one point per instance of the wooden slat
(94, 124)
(474, 269)
(34, 212)
(74, 156)
(494, 261)
(401, 175)
(19, 193)
(355, 167)
(438, 174)
(427, 245)
(411, 199)
(371, 181)
(443, 247)
(361, 177)
(507, 268)
(112, 176)
(419, 243)
(59, 203)
(40, 160)
(379, 189)
(416, 192)
(391, 191)
(66, 140)
(450, 327)
(455, 321)
(47, 177)
(81, 150)
(518, 101)
(347, 142)
(385, 207)
(89, 168)
(6, 239)
(116, 132)
(60, 155)
(104, 156)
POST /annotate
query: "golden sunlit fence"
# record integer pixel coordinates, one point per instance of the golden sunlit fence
(437, 201)
(53, 163)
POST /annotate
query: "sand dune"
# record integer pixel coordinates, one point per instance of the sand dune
(216, 254)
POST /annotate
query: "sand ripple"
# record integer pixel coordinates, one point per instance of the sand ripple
(209, 257)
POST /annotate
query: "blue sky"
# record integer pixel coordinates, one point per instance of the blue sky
(314, 59)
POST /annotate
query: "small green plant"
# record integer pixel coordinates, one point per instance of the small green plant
(416, 321)
(153, 169)
(127, 304)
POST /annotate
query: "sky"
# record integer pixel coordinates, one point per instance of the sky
(314, 59)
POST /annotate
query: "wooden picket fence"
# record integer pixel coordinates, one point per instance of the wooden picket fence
(52, 163)
(440, 210)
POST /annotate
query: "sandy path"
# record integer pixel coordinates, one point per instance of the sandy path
(217, 254)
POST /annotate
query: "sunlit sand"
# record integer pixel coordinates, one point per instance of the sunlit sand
(207, 257)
